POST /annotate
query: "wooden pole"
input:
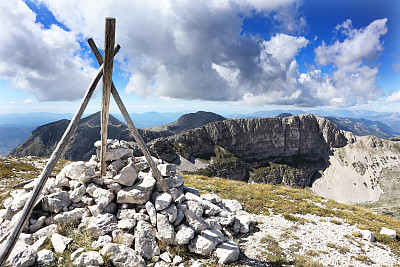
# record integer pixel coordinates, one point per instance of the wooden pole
(29, 205)
(107, 81)
(129, 122)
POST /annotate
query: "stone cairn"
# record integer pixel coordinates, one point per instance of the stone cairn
(126, 212)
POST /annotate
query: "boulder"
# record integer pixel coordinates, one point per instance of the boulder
(205, 243)
(165, 230)
(116, 165)
(45, 257)
(162, 201)
(101, 241)
(102, 198)
(242, 222)
(126, 214)
(87, 175)
(388, 232)
(70, 217)
(77, 194)
(38, 224)
(171, 212)
(60, 242)
(46, 231)
(367, 235)
(145, 241)
(232, 205)
(126, 224)
(167, 169)
(121, 255)
(102, 224)
(74, 170)
(91, 258)
(184, 235)
(56, 202)
(39, 244)
(227, 252)
(127, 175)
(139, 193)
(22, 256)
(117, 153)
(151, 211)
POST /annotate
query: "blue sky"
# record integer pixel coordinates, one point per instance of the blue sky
(224, 56)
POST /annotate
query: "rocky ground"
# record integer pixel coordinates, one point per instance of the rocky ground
(127, 219)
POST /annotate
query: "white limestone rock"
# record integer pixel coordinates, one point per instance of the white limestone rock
(87, 175)
(46, 231)
(101, 241)
(243, 219)
(91, 188)
(102, 198)
(232, 205)
(60, 242)
(165, 230)
(70, 217)
(117, 153)
(56, 202)
(22, 255)
(139, 193)
(205, 243)
(39, 244)
(121, 255)
(38, 224)
(45, 257)
(76, 253)
(102, 224)
(213, 198)
(126, 214)
(184, 235)
(126, 224)
(151, 211)
(74, 170)
(367, 235)
(145, 241)
(166, 257)
(127, 175)
(77, 194)
(91, 258)
(116, 165)
(227, 252)
(167, 169)
(388, 232)
(162, 201)
(171, 212)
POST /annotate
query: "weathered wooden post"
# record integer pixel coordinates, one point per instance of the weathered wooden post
(30, 204)
(129, 122)
(107, 81)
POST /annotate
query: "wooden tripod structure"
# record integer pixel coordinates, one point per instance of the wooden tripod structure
(105, 70)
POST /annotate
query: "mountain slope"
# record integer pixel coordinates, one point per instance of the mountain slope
(189, 121)
(363, 127)
(43, 140)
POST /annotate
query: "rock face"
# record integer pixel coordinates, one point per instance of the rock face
(126, 212)
(260, 139)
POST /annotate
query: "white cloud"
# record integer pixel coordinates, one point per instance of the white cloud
(28, 101)
(353, 80)
(186, 50)
(12, 102)
(395, 97)
(41, 61)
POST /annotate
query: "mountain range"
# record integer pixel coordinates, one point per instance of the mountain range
(15, 128)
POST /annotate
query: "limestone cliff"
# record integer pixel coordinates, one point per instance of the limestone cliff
(260, 139)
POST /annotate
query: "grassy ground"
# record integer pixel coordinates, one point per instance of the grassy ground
(264, 199)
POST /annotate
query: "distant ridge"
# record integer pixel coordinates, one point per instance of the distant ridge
(189, 121)
(43, 140)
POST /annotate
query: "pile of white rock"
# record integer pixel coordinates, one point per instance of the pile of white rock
(126, 212)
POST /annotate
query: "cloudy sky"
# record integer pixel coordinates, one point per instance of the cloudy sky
(222, 55)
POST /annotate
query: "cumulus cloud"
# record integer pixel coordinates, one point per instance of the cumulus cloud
(353, 80)
(181, 50)
(394, 97)
(41, 61)
(28, 101)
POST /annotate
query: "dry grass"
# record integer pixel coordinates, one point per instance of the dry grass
(265, 198)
